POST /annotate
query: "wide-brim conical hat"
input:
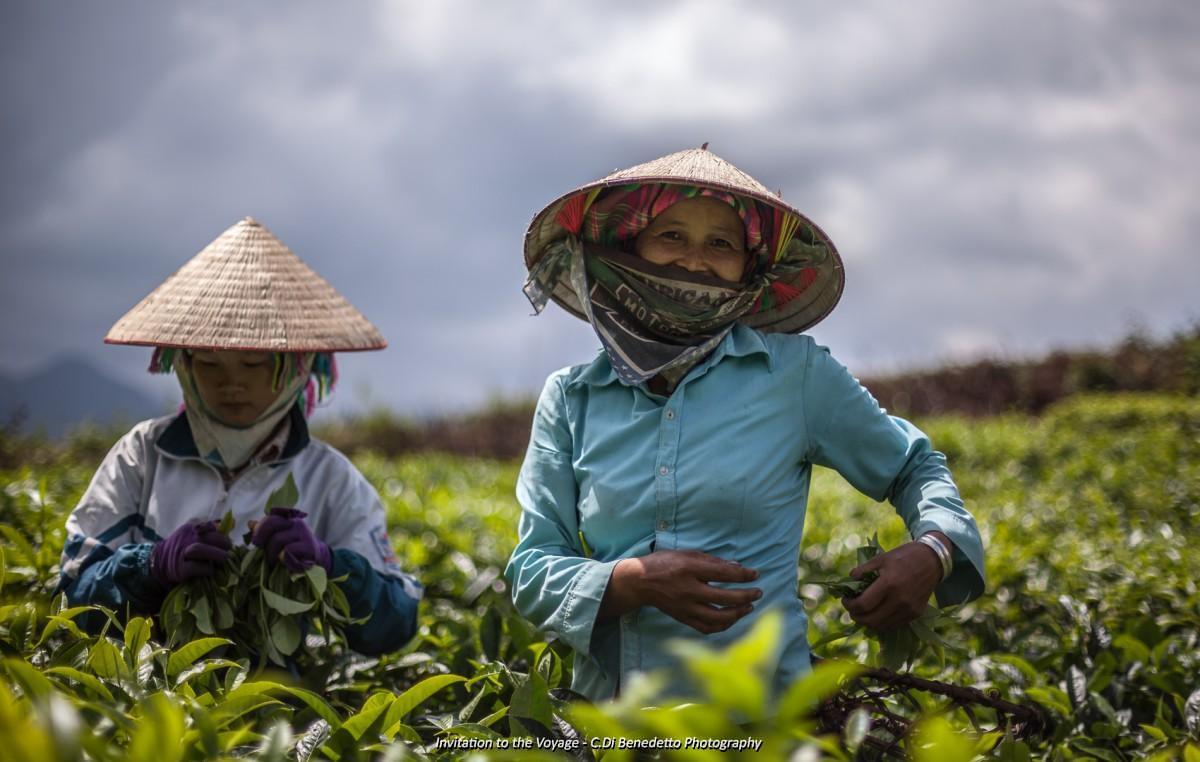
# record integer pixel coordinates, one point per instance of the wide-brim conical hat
(247, 291)
(819, 287)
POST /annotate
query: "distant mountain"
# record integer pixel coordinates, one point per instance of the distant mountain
(67, 393)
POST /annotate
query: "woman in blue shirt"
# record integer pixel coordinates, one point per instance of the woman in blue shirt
(665, 485)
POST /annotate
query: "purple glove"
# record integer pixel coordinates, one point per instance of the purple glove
(285, 536)
(191, 551)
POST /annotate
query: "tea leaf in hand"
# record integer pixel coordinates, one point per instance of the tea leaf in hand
(318, 578)
(285, 605)
(285, 635)
(844, 587)
(224, 613)
(899, 647)
(870, 550)
(287, 496)
(203, 613)
(248, 560)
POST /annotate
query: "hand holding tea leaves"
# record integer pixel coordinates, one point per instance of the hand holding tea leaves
(287, 539)
(190, 552)
(901, 622)
(261, 606)
(903, 578)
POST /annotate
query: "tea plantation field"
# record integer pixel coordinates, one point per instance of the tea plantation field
(1091, 521)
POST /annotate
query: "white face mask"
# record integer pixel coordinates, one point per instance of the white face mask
(232, 446)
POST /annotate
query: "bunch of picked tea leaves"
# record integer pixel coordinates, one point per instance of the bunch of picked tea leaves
(265, 609)
(895, 648)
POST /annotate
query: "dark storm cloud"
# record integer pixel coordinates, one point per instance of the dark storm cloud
(998, 178)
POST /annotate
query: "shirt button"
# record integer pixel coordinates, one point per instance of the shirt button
(670, 415)
(664, 524)
(664, 470)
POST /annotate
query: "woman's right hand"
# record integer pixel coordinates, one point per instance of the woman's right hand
(191, 551)
(677, 583)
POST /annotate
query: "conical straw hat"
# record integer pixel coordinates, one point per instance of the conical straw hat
(819, 288)
(247, 291)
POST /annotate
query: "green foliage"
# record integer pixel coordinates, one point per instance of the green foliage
(1092, 597)
(1088, 516)
(263, 609)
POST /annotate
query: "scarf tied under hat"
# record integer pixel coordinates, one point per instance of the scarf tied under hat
(655, 319)
(230, 446)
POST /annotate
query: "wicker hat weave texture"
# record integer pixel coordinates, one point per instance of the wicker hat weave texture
(247, 291)
(813, 292)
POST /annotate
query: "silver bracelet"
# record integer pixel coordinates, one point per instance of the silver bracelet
(939, 548)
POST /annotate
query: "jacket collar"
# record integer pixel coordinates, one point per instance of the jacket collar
(742, 341)
(176, 440)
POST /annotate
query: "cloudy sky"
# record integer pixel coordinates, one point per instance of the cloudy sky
(999, 178)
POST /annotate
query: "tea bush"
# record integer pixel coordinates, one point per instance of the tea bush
(1089, 516)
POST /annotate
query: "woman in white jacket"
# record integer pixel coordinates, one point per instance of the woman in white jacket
(249, 330)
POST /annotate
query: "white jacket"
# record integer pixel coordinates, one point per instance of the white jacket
(153, 481)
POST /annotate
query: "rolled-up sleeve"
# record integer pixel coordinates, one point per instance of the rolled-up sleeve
(553, 583)
(886, 457)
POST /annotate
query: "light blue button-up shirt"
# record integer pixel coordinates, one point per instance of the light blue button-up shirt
(721, 466)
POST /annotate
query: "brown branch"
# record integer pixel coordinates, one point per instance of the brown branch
(1026, 720)
(1032, 716)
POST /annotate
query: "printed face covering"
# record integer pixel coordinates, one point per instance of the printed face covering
(654, 319)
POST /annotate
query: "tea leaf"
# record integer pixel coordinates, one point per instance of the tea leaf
(419, 693)
(235, 706)
(105, 660)
(225, 617)
(315, 703)
(285, 605)
(318, 578)
(32, 682)
(285, 635)
(203, 668)
(287, 496)
(253, 556)
(84, 679)
(370, 713)
(203, 614)
(137, 632)
(530, 700)
(184, 657)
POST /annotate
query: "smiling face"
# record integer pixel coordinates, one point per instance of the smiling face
(236, 386)
(701, 234)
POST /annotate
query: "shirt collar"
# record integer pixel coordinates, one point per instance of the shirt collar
(176, 440)
(742, 341)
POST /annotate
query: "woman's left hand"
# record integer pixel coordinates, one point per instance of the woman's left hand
(907, 576)
(286, 538)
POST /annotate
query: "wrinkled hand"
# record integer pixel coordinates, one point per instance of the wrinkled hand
(907, 576)
(191, 551)
(677, 583)
(285, 537)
